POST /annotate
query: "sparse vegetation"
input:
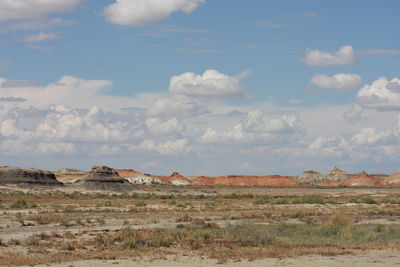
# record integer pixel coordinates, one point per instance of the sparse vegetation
(218, 225)
(140, 204)
(20, 203)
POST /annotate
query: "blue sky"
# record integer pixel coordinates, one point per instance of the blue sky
(200, 86)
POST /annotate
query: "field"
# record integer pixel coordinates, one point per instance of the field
(228, 225)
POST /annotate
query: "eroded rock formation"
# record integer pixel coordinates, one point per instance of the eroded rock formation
(104, 178)
(18, 176)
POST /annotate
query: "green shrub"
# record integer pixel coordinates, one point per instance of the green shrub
(20, 203)
(108, 204)
(260, 201)
(140, 204)
(369, 200)
(282, 201)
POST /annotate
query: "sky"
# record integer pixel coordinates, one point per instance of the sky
(203, 87)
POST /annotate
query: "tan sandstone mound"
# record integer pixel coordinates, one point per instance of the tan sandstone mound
(18, 176)
(104, 178)
(69, 176)
(362, 179)
(244, 180)
(334, 177)
(338, 175)
(311, 177)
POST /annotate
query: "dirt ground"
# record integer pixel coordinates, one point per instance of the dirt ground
(361, 259)
(70, 227)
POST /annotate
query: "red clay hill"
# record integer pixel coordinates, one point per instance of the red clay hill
(242, 180)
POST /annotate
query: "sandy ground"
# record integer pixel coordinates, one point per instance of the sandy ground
(364, 259)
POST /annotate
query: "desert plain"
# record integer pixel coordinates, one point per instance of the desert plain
(108, 217)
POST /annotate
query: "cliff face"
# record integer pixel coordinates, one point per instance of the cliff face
(11, 175)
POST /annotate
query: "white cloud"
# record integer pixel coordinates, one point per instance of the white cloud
(9, 128)
(27, 9)
(294, 101)
(64, 124)
(211, 84)
(340, 82)
(177, 105)
(323, 147)
(354, 114)
(345, 56)
(185, 131)
(368, 136)
(382, 95)
(40, 37)
(256, 127)
(57, 148)
(169, 127)
(73, 92)
(169, 147)
(140, 12)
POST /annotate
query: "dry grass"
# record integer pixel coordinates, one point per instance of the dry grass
(200, 225)
(338, 235)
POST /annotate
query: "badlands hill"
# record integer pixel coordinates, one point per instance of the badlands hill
(104, 178)
(242, 180)
(121, 180)
(18, 176)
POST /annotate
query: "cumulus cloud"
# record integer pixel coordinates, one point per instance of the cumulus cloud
(256, 127)
(368, 136)
(72, 92)
(27, 9)
(382, 95)
(169, 147)
(177, 105)
(169, 127)
(326, 147)
(64, 124)
(354, 114)
(345, 56)
(212, 84)
(140, 12)
(341, 82)
(40, 37)
(57, 148)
